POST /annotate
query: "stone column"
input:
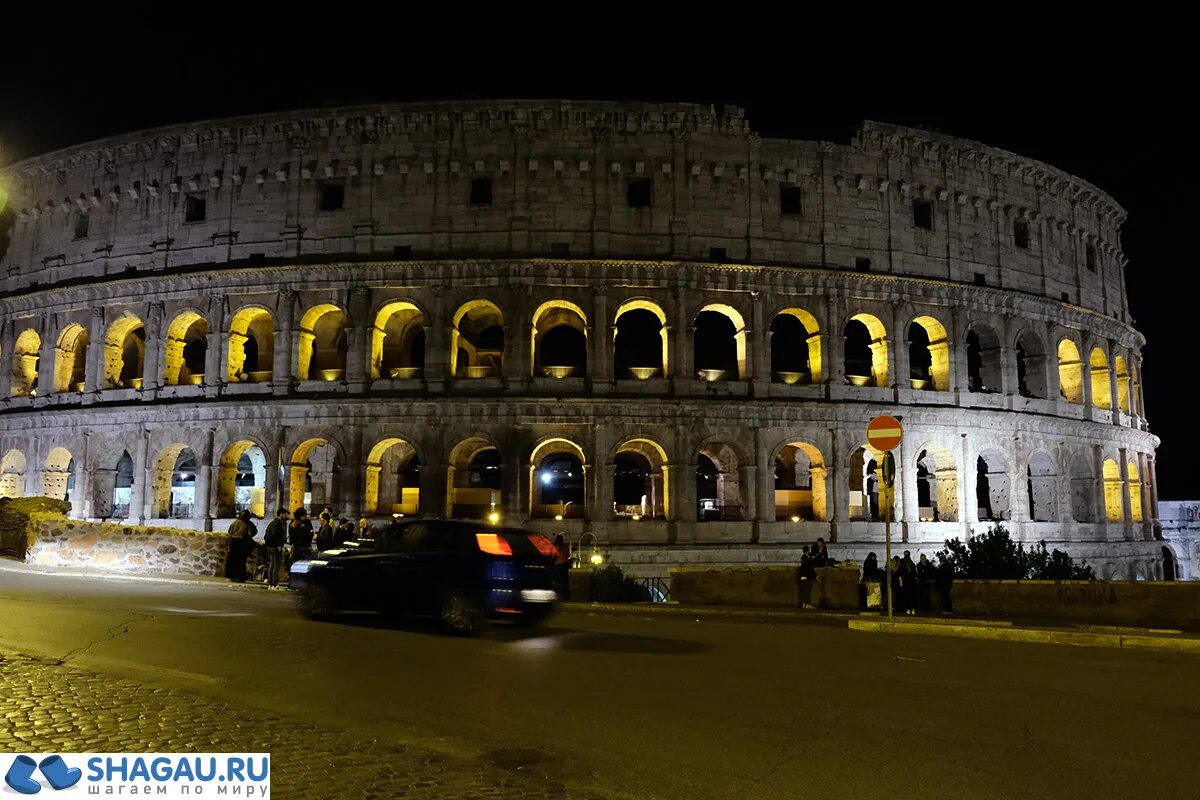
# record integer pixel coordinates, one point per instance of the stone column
(682, 486)
(747, 483)
(140, 500)
(353, 475)
(908, 509)
(685, 333)
(152, 362)
(1149, 515)
(437, 354)
(765, 487)
(45, 371)
(1114, 395)
(7, 343)
(758, 345)
(272, 497)
(601, 335)
(898, 360)
(833, 364)
(1053, 384)
(81, 497)
(837, 497)
(514, 486)
(285, 351)
(202, 508)
(358, 340)
(968, 511)
(1126, 506)
(215, 360)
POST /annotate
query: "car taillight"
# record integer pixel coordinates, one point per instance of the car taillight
(493, 544)
(543, 545)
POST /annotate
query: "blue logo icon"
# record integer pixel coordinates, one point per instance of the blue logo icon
(58, 774)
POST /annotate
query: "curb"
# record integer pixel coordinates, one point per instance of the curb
(673, 609)
(1035, 635)
(8, 565)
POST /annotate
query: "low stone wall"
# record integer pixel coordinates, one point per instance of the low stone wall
(14, 520)
(56, 541)
(834, 588)
(1155, 603)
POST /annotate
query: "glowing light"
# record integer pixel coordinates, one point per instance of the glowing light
(493, 544)
(795, 519)
(636, 517)
(397, 516)
(597, 559)
(493, 517)
(546, 476)
(558, 517)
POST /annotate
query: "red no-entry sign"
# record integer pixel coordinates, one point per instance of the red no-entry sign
(884, 433)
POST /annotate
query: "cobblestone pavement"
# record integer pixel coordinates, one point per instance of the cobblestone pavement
(49, 706)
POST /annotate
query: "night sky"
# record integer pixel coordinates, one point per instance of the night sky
(1102, 99)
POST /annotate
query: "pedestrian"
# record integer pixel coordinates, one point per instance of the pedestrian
(871, 576)
(300, 535)
(344, 532)
(241, 539)
(820, 554)
(325, 534)
(895, 586)
(562, 566)
(808, 576)
(944, 581)
(274, 539)
(365, 531)
(908, 583)
(926, 574)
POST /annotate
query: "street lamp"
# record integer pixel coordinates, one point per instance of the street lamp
(493, 517)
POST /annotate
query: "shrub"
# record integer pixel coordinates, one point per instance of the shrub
(994, 555)
(610, 585)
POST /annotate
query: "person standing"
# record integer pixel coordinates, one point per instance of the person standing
(562, 565)
(944, 581)
(926, 575)
(808, 576)
(274, 539)
(820, 554)
(325, 534)
(241, 539)
(300, 535)
(908, 583)
(870, 575)
(365, 531)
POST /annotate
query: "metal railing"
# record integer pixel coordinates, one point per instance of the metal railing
(658, 589)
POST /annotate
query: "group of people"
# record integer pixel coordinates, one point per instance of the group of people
(912, 583)
(811, 557)
(289, 533)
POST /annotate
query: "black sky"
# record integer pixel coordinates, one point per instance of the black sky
(1104, 98)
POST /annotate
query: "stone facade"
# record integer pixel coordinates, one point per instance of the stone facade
(57, 541)
(1180, 520)
(416, 308)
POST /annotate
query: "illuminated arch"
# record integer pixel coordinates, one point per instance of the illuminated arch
(1123, 384)
(58, 474)
(1113, 502)
(312, 473)
(398, 341)
(877, 349)
(707, 359)
(321, 344)
(125, 353)
(12, 474)
(559, 334)
(477, 340)
(1135, 491)
(174, 483)
(26, 354)
(232, 476)
(251, 346)
(719, 490)
(937, 484)
(400, 492)
(1031, 359)
(640, 480)
(784, 352)
(624, 355)
(985, 367)
(862, 482)
(932, 371)
(473, 479)
(1070, 371)
(800, 482)
(70, 360)
(550, 488)
(1101, 394)
(185, 349)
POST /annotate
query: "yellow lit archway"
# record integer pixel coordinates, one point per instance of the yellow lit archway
(937, 375)
(1113, 510)
(476, 351)
(399, 493)
(185, 349)
(26, 355)
(70, 359)
(251, 346)
(398, 341)
(878, 345)
(322, 344)
(816, 370)
(124, 353)
(1070, 372)
(649, 306)
(1101, 394)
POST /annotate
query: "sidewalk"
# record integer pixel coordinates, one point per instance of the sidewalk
(8, 564)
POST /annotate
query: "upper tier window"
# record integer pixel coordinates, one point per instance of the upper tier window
(923, 214)
(1021, 233)
(481, 192)
(639, 193)
(81, 226)
(195, 208)
(333, 196)
(1091, 257)
(789, 200)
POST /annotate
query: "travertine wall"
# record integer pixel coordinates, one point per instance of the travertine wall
(56, 541)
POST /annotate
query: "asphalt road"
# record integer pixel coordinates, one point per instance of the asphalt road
(638, 706)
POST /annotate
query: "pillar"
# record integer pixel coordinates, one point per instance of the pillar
(764, 488)
(898, 360)
(139, 499)
(358, 340)
(685, 333)
(437, 353)
(353, 479)
(602, 336)
(281, 365)
(215, 361)
(1113, 393)
(202, 508)
(758, 341)
(152, 362)
(747, 475)
(7, 343)
(1126, 506)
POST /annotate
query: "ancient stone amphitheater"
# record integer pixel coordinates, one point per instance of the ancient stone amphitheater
(640, 321)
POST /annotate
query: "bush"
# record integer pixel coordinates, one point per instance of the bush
(610, 585)
(994, 555)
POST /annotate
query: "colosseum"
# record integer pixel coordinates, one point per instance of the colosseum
(641, 321)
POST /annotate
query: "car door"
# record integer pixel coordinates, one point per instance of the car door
(395, 567)
(436, 559)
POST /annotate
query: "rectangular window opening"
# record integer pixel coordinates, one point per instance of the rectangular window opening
(402, 252)
(1091, 257)
(716, 254)
(481, 192)
(1066, 298)
(923, 214)
(790, 200)
(1021, 233)
(638, 194)
(333, 197)
(81, 226)
(195, 208)
(560, 249)
(862, 264)
(980, 279)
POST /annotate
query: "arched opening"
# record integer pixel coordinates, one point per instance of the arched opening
(26, 355)
(1101, 395)
(122, 492)
(251, 346)
(174, 489)
(937, 485)
(1070, 372)
(322, 343)
(12, 474)
(719, 343)
(1031, 365)
(984, 360)
(863, 485)
(393, 482)
(640, 346)
(477, 341)
(473, 480)
(800, 482)
(314, 475)
(185, 349)
(58, 474)
(795, 347)
(1135, 491)
(992, 486)
(1042, 487)
(557, 480)
(1170, 565)
(718, 483)
(1113, 509)
(866, 351)
(398, 342)
(242, 480)
(1083, 489)
(559, 340)
(70, 363)
(124, 353)
(1122, 384)
(640, 480)
(929, 355)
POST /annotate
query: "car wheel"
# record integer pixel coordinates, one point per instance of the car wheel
(317, 602)
(461, 613)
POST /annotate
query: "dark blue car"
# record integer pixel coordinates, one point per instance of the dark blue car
(461, 572)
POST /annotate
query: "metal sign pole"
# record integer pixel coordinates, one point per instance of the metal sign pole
(887, 530)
